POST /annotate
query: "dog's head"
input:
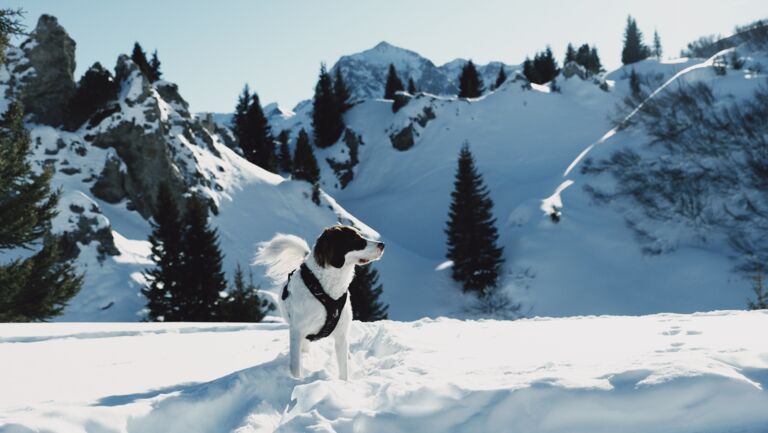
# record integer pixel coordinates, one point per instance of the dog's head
(343, 245)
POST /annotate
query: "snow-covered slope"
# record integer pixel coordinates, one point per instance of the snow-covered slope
(670, 373)
(366, 72)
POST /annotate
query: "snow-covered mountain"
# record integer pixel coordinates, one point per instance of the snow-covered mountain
(667, 372)
(603, 257)
(366, 72)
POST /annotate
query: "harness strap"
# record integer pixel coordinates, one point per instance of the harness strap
(332, 306)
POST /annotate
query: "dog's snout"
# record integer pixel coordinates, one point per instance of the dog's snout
(381, 246)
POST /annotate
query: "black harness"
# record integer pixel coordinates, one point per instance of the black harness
(332, 306)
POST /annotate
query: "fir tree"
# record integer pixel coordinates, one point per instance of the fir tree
(471, 230)
(305, 165)
(412, 87)
(761, 294)
(364, 292)
(203, 279)
(242, 303)
(570, 54)
(594, 65)
(501, 78)
(634, 49)
(165, 280)
(341, 91)
(94, 90)
(587, 57)
(39, 286)
(470, 83)
(10, 24)
(154, 67)
(530, 71)
(238, 118)
(139, 57)
(326, 120)
(256, 137)
(542, 69)
(284, 159)
(657, 51)
(634, 83)
(393, 84)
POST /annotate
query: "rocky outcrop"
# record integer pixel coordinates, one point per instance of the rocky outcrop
(403, 139)
(46, 91)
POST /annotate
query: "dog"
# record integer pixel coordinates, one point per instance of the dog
(315, 300)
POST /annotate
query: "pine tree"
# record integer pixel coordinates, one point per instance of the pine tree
(326, 120)
(305, 165)
(166, 278)
(530, 71)
(364, 292)
(657, 51)
(634, 49)
(471, 230)
(570, 54)
(634, 83)
(154, 67)
(10, 24)
(238, 118)
(242, 303)
(39, 286)
(501, 78)
(412, 87)
(284, 158)
(393, 84)
(542, 69)
(470, 83)
(758, 287)
(256, 137)
(94, 90)
(203, 279)
(139, 57)
(594, 65)
(341, 91)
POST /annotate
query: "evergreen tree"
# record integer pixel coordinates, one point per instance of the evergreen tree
(202, 278)
(39, 286)
(341, 91)
(594, 65)
(634, 83)
(139, 57)
(471, 230)
(530, 71)
(412, 87)
(154, 67)
(393, 84)
(587, 57)
(326, 120)
(542, 69)
(305, 165)
(501, 78)
(761, 293)
(364, 292)
(284, 159)
(570, 54)
(238, 119)
(242, 303)
(470, 83)
(94, 90)
(657, 51)
(256, 137)
(165, 280)
(634, 49)
(10, 24)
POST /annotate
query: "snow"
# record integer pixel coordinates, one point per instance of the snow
(667, 372)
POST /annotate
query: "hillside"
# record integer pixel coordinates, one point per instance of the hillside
(667, 372)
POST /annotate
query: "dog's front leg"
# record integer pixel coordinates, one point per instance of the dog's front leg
(296, 343)
(342, 353)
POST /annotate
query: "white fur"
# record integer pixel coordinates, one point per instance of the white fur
(304, 313)
(281, 255)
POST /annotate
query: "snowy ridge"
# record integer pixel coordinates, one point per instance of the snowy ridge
(666, 372)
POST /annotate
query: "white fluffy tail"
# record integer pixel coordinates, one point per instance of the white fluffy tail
(281, 255)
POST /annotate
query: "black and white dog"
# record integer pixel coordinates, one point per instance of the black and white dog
(315, 299)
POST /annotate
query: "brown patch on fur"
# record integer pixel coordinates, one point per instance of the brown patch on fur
(335, 243)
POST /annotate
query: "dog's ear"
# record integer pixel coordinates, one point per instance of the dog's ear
(328, 250)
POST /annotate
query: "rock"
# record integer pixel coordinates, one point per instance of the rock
(403, 139)
(110, 184)
(51, 52)
(572, 68)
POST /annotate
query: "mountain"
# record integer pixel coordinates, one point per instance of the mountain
(674, 373)
(366, 72)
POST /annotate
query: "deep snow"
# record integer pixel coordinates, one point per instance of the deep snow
(702, 372)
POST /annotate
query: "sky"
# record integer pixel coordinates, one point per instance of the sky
(211, 49)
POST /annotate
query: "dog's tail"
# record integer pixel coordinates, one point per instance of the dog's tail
(281, 255)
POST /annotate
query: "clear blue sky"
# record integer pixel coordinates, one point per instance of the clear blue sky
(212, 48)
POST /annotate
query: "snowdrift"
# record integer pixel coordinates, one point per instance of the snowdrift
(703, 372)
